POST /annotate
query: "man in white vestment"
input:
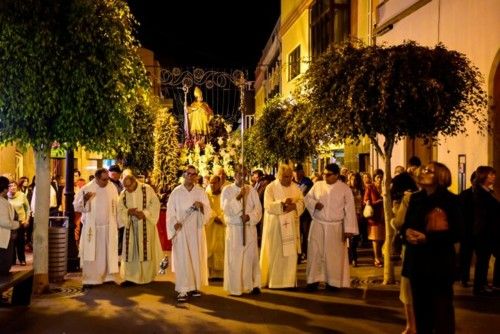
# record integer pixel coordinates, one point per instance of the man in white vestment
(283, 205)
(97, 201)
(241, 263)
(331, 205)
(138, 212)
(188, 210)
(215, 230)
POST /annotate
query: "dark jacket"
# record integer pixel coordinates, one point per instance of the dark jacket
(436, 257)
(487, 219)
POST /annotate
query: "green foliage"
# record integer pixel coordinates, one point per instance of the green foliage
(140, 153)
(403, 90)
(273, 137)
(166, 152)
(69, 72)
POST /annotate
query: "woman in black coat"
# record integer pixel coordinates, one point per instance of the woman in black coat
(431, 229)
(486, 230)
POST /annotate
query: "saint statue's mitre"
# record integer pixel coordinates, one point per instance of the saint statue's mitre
(197, 92)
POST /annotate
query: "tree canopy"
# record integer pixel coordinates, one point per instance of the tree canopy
(403, 90)
(273, 139)
(69, 72)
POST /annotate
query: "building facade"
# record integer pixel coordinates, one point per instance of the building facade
(472, 28)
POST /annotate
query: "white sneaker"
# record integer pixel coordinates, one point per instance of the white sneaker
(182, 297)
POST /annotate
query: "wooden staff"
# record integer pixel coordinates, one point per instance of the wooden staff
(243, 202)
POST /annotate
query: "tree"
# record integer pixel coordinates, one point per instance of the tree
(139, 153)
(388, 93)
(272, 139)
(166, 153)
(69, 72)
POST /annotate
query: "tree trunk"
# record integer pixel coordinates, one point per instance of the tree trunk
(41, 225)
(389, 232)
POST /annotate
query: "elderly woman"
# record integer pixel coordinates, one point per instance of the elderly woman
(432, 227)
(7, 224)
(20, 203)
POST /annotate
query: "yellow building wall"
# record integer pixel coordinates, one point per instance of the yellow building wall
(296, 34)
(260, 100)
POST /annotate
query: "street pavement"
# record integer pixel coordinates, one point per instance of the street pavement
(367, 307)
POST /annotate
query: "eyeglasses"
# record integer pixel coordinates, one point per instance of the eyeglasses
(327, 174)
(428, 170)
(191, 174)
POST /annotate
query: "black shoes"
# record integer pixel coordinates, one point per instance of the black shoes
(87, 287)
(255, 291)
(127, 284)
(332, 288)
(485, 291)
(312, 287)
(195, 293)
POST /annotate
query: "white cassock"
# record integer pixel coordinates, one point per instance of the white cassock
(142, 252)
(327, 259)
(99, 239)
(280, 236)
(189, 247)
(215, 234)
(241, 263)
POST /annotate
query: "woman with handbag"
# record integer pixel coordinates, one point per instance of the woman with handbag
(431, 228)
(376, 228)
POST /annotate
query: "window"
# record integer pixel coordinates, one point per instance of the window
(330, 24)
(294, 63)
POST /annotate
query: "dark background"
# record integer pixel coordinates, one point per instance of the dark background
(211, 34)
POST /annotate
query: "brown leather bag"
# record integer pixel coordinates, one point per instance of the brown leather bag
(437, 221)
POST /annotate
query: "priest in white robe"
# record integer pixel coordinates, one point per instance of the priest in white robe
(331, 205)
(215, 230)
(283, 205)
(188, 210)
(138, 212)
(97, 201)
(241, 262)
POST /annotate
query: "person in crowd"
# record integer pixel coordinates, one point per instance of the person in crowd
(188, 210)
(431, 229)
(305, 184)
(8, 227)
(19, 202)
(23, 185)
(332, 208)
(138, 212)
(376, 225)
(403, 182)
(405, 288)
(466, 198)
(31, 219)
(486, 230)
(115, 174)
(356, 185)
(242, 211)
(215, 231)
(283, 205)
(97, 201)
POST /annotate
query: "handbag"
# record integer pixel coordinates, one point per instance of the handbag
(368, 211)
(437, 221)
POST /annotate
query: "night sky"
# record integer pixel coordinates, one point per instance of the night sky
(216, 34)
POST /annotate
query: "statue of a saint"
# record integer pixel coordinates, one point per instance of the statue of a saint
(199, 115)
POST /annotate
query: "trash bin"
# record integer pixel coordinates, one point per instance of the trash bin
(58, 248)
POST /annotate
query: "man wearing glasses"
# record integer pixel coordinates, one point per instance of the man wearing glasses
(188, 210)
(97, 201)
(331, 204)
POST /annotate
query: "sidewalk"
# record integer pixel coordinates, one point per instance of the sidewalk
(366, 307)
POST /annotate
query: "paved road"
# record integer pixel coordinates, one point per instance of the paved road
(368, 308)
